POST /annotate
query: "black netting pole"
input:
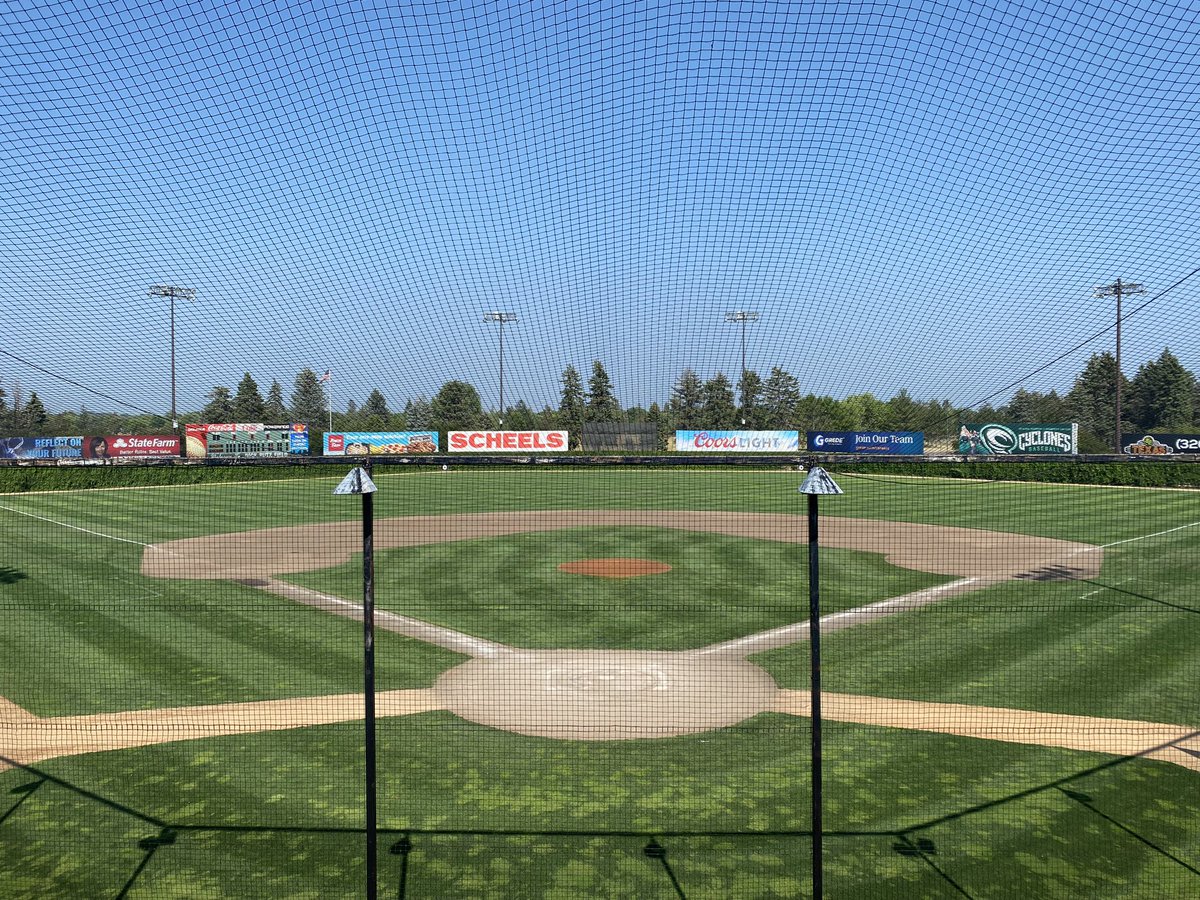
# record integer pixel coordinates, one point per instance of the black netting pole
(814, 637)
(368, 523)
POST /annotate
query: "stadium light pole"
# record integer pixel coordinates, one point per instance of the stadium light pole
(502, 318)
(171, 292)
(743, 317)
(1119, 289)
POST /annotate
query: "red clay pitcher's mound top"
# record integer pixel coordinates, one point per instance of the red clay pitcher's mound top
(614, 567)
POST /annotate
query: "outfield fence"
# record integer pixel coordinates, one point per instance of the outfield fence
(593, 677)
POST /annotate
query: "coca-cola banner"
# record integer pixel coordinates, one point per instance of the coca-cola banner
(738, 441)
(502, 441)
(235, 439)
(126, 446)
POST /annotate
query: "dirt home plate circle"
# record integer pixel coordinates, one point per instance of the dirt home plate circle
(598, 695)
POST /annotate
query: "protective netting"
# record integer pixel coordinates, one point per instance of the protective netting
(919, 197)
(597, 683)
(597, 238)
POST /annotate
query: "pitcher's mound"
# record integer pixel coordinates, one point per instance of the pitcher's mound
(614, 567)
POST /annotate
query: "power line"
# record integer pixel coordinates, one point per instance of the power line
(1087, 340)
(77, 384)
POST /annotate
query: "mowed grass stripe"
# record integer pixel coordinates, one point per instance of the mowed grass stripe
(1043, 646)
(1074, 512)
(510, 590)
(83, 632)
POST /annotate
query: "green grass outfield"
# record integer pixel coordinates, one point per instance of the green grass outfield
(274, 814)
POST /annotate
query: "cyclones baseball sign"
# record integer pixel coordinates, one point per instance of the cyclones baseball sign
(1001, 440)
(507, 441)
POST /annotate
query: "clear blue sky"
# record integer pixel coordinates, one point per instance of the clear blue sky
(920, 195)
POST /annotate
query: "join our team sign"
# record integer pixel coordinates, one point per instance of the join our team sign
(906, 443)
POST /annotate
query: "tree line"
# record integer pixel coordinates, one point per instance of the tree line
(1162, 396)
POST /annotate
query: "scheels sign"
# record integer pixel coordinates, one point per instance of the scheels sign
(500, 441)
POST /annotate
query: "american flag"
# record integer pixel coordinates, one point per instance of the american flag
(327, 376)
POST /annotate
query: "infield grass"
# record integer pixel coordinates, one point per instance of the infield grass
(510, 589)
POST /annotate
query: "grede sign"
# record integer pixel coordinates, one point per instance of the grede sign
(507, 441)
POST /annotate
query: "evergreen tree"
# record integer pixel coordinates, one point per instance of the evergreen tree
(418, 414)
(309, 401)
(904, 413)
(218, 409)
(1092, 401)
(519, 418)
(571, 404)
(781, 394)
(686, 405)
(659, 417)
(750, 387)
(248, 403)
(34, 414)
(457, 407)
(1162, 396)
(602, 405)
(1021, 407)
(718, 410)
(376, 406)
(274, 410)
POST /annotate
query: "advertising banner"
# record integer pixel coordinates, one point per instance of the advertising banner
(130, 446)
(41, 448)
(632, 437)
(502, 441)
(738, 441)
(380, 443)
(908, 443)
(993, 439)
(237, 439)
(1160, 443)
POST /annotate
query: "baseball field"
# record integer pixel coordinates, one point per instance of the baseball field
(594, 683)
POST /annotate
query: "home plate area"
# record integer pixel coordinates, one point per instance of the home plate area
(606, 694)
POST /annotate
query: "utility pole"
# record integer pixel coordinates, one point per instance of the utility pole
(171, 292)
(1119, 289)
(743, 317)
(502, 318)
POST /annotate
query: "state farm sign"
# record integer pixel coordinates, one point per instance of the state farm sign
(507, 441)
(123, 446)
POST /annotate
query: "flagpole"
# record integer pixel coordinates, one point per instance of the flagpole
(327, 380)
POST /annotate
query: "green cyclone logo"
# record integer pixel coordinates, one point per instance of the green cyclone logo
(998, 438)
